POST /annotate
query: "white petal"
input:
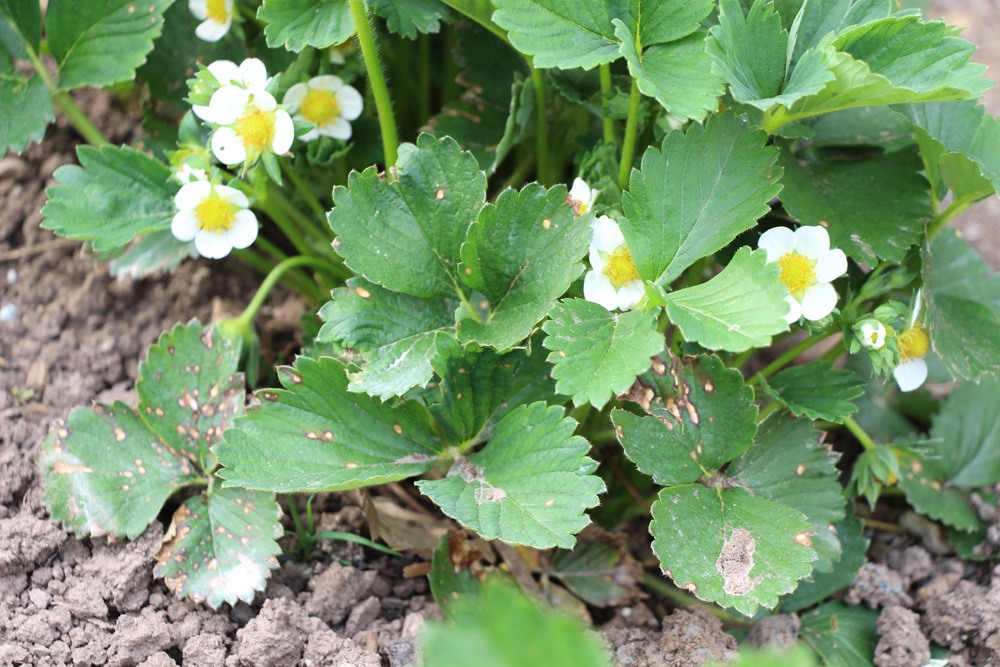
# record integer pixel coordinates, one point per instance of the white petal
(311, 135)
(597, 262)
(794, 310)
(264, 101)
(338, 129)
(630, 294)
(350, 101)
(579, 191)
(212, 245)
(202, 111)
(777, 241)
(244, 229)
(192, 194)
(336, 57)
(184, 226)
(910, 374)
(284, 132)
(326, 82)
(253, 74)
(830, 266)
(227, 105)
(228, 147)
(199, 8)
(294, 96)
(210, 31)
(813, 242)
(598, 288)
(607, 234)
(225, 72)
(232, 195)
(819, 301)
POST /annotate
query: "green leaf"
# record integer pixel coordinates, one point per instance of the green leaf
(411, 17)
(158, 252)
(25, 108)
(729, 547)
(114, 195)
(819, 18)
(20, 27)
(221, 546)
(740, 308)
(531, 485)
(101, 42)
(314, 435)
(450, 578)
(405, 234)
(503, 627)
(821, 585)
(523, 253)
(843, 636)
(816, 390)
(296, 24)
(480, 11)
(395, 333)
(598, 570)
(696, 194)
(874, 209)
(963, 307)
(106, 472)
(701, 415)
(596, 354)
(789, 465)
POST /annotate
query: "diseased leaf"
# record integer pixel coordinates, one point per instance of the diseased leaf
(816, 390)
(821, 585)
(221, 546)
(411, 17)
(842, 636)
(451, 577)
(598, 570)
(531, 485)
(296, 24)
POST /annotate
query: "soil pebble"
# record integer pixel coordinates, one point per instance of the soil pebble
(689, 637)
(780, 631)
(901, 643)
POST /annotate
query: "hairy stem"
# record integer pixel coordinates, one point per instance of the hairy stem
(376, 78)
(859, 433)
(787, 358)
(631, 132)
(541, 127)
(606, 121)
(942, 218)
(250, 312)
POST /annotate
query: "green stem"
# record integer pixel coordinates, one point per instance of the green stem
(786, 358)
(271, 280)
(308, 226)
(423, 79)
(310, 199)
(859, 433)
(376, 78)
(942, 218)
(606, 120)
(293, 280)
(541, 127)
(73, 113)
(773, 406)
(631, 132)
(291, 232)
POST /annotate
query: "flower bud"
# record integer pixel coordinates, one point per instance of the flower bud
(871, 334)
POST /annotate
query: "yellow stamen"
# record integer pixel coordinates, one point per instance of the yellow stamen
(914, 343)
(256, 129)
(217, 11)
(320, 107)
(620, 267)
(798, 272)
(215, 214)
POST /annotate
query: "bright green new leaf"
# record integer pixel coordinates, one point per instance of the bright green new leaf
(411, 17)
(842, 636)
(531, 485)
(740, 308)
(696, 194)
(114, 195)
(100, 42)
(963, 307)
(874, 209)
(821, 585)
(405, 233)
(596, 354)
(394, 332)
(789, 465)
(523, 253)
(221, 546)
(315, 435)
(296, 24)
(729, 547)
(700, 416)
(816, 390)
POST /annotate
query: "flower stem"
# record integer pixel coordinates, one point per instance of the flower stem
(786, 358)
(294, 279)
(272, 279)
(942, 218)
(631, 132)
(859, 433)
(541, 127)
(606, 120)
(376, 78)
(307, 195)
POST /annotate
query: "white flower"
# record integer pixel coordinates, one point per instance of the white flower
(914, 344)
(871, 334)
(215, 216)
(215, 15)
(327, 103)
(187, 174)
(250, 76)
(614, 281)
(581, 198)
(808, 265)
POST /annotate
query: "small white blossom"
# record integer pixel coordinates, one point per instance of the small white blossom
(914, 344)
(614, 281)
(187, 174)
(808, 266)
(581, 197)
(871, 334)
(216, 17)
(215, 217)
(326, 102)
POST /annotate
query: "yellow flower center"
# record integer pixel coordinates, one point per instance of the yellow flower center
(798, 272)
(215, 214)
(320, 107)
(913, 343)
(256, 129)
(217, 11)
(620, 268)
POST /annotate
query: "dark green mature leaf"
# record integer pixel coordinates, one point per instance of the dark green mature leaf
(701, 415)
(480, 11)
(729, 547)
(411, 17)
(874, 209)
(314, 435)
(405, 234)
(531, 485)
(523, 253)
(114, 195)
(598, 570)
(25, 108)
(817, 391)
(296, 24)
(596, 353)
(101, 42)
(395, 333)
(843, 636)
(106, 472)
(963, 307)
(821, 585)
(740, 308)
(821, 17)
(221, 546)
(789, 465)
(696, 194)
(20, 27)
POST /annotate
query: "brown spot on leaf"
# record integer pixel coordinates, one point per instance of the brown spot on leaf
(546, 223)
(398, 429)
(803, 539)
(362, 292)
(64, 468)
(800, 469)
(735, 562)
